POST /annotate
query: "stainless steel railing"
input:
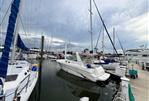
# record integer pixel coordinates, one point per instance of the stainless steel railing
(18, 91)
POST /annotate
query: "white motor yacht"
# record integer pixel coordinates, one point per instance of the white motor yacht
(87, 71)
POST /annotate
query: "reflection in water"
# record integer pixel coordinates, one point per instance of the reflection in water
(58, 85)
(80, 88)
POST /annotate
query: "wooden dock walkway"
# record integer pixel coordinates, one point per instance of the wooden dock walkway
(140, 86)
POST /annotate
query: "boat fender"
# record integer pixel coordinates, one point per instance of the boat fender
(34, 68)
(88, 66)
(84, 99)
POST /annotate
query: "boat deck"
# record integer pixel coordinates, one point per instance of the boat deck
(140, 86)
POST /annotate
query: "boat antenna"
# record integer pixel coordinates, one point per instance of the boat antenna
(105, 26)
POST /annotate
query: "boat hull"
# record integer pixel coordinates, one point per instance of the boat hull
(22, 86)
(74, 68)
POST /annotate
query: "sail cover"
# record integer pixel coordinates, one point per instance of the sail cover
(9, 36)
(20, 44)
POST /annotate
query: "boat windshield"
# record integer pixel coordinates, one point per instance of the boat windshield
(87, 59)
(72, 57)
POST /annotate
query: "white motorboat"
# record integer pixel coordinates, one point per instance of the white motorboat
(17, 77)
(87, 71)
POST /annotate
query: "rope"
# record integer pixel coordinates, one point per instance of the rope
(3, 18)
(1, 5)
(29, 42)
(105, 26)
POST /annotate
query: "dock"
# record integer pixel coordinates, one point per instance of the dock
(140, 85)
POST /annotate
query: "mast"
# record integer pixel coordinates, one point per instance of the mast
(106, 30)
(114, 39)
(8, 41)
(14, 43)
(98, 40)
(15, 35)
(91, 32)
(65, 50)
(103, 42)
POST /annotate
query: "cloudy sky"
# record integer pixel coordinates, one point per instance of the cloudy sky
(68, 20)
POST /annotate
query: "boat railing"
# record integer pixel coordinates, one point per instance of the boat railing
(19, 90)
(23, 85)
(2, 98)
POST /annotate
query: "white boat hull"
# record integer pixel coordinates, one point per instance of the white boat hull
(74, 68)
(111, 66)
(24, 83)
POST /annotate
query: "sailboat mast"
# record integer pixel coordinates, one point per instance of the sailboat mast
(65, 50)
(114, 39)
(14, 42)
(103, 42)
(91, 28)
(15, 35)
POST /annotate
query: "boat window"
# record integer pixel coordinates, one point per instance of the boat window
(11, 78)
(19, 67)
(144, 55)
(147, 64)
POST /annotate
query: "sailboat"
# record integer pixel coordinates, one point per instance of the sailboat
(17, 77)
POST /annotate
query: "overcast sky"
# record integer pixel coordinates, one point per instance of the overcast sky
(68, 20)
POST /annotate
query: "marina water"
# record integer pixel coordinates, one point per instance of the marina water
(58, 85)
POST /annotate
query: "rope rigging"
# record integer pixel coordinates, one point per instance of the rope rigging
(21, 21)
(120, 44)
(104, 26)
(3, 18)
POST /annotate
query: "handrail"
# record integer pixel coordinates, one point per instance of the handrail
(25, 86)
(16, 91)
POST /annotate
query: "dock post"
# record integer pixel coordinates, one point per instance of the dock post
(124, 85)
(40, 68)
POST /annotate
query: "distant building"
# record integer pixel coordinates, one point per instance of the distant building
(140, 56)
